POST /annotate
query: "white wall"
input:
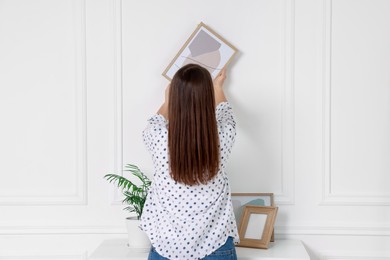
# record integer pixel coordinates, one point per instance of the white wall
(310, 90)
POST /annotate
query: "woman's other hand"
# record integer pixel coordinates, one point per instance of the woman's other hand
(164, 107)
(167, 93)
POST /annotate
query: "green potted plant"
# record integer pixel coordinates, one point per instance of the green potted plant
(134, 197)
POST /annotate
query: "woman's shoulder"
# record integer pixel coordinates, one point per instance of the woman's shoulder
(223, 105)
(158, 119)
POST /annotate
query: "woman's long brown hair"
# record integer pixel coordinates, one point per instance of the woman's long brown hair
(193, 141)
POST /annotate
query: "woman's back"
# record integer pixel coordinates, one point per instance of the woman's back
(189, 221)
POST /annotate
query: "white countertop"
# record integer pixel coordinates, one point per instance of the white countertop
(116, 249)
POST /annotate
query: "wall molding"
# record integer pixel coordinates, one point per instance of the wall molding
(287, 193)
(118, 98)
(339, 230)
(78, 196)
(61, 229)
(330, 197)
(81, 70)
(318, 230)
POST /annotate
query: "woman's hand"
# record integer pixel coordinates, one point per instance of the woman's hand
(218, 87)
(220, 79)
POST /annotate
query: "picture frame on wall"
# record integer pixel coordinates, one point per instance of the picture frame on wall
(240, 200)
(256, 226)
(204, 47)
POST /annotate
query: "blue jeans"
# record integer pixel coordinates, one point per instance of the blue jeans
(225, 252)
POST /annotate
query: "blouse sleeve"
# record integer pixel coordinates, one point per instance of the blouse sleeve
(155, 129)
(226, 128)
(224, 113)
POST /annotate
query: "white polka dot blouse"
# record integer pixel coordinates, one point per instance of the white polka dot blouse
(188, 222)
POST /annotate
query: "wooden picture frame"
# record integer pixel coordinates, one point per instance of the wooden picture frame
(240, 200)
(204, 47)
(256, 226)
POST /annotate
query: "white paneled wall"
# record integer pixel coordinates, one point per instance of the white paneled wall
(310, 89)
(266, 43)
(356, 103)
(43, 104)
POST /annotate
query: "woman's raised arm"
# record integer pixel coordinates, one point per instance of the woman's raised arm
(218, 87)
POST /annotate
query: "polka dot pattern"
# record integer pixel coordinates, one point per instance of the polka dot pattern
(188, 222)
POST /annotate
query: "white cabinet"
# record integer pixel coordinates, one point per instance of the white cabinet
(116, 249)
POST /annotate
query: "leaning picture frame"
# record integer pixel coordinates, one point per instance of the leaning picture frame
(204, 47)
(256, 226)
(240, 200)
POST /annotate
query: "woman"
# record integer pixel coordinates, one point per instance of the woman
(188, 213)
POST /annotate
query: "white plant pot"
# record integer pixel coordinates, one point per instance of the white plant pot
(138, 240)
